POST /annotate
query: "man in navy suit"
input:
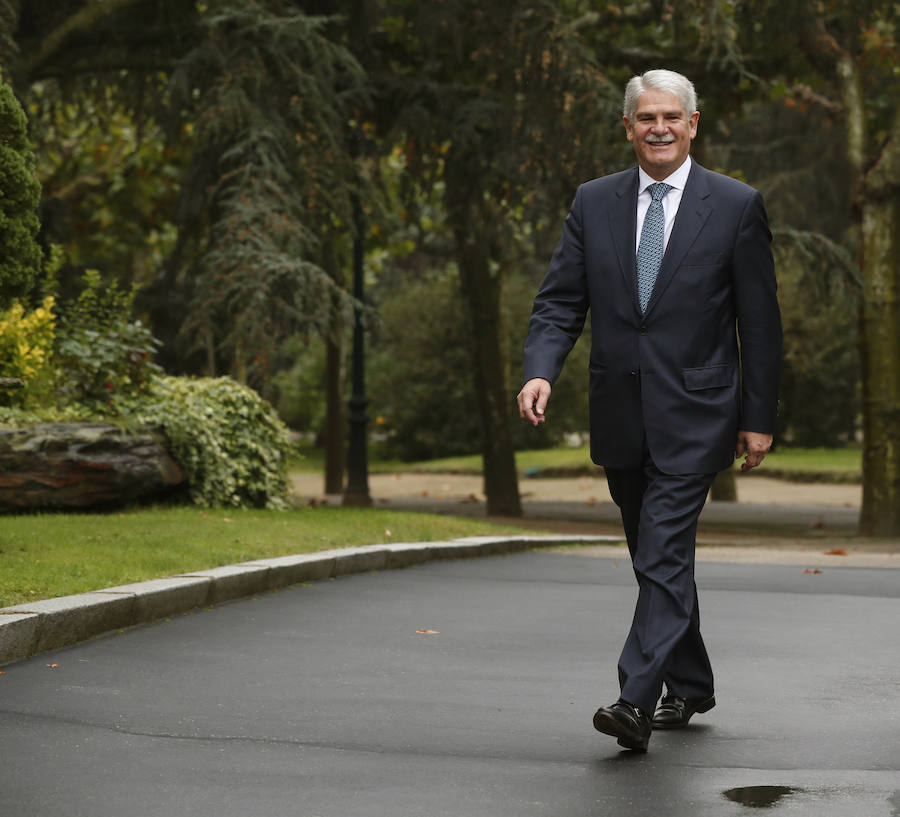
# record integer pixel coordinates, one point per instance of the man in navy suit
(684, 370)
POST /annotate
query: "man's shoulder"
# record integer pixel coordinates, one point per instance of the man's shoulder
(609, 187)
(611, 180)
(722, 183)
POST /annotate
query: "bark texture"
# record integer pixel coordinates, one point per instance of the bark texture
(82, 465)
(878, 205)
(482, 289)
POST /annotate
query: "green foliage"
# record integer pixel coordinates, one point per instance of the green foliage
(819, 399)
(103, 355)
(300, 388)
(110, 178)
(26, 346)
(425, 401)
(271, 94)
(229, 441)
(20, 191)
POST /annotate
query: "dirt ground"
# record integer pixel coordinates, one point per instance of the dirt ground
(454, 487)
(812, 548)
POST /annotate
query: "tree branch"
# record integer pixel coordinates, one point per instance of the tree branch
(84, 18)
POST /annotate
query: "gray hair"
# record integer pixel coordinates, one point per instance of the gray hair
(659, 80)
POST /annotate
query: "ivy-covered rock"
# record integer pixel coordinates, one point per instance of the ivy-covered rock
(20, 193)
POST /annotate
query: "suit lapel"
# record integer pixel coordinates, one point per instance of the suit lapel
(622, 224)
(692, 214)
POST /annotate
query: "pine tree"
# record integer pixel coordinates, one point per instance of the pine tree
(20, 192)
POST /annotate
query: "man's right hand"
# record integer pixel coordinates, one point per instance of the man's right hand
(532, 400)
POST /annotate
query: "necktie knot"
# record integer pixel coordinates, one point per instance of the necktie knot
(658, 190)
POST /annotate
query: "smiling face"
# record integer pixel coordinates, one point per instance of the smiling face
(661, 133)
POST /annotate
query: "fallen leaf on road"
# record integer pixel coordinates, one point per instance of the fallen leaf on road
(53, 666)
(424, 493)
(429, 632)
(836, 552)
(2, 672)
(812, 571)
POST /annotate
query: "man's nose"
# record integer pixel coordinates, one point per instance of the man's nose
(659, 125)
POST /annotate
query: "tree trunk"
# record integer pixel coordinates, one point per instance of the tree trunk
(724, 487)
(482, 289)
(335, 403)
(879, 249)
(878, 207)
(335, 418)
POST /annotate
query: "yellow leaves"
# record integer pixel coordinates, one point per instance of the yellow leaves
(26, 339)
(428, 632)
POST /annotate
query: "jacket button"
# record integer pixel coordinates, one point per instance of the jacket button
(643, 330)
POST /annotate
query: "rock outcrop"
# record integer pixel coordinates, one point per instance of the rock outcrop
(82, 465)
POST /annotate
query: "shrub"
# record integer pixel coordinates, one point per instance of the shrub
(26, 348)
(103, 354)
(230, 442)
(20, 193)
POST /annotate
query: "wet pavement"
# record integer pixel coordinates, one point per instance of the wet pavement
(465, 688)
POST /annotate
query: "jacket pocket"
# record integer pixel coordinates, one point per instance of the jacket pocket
(708, 377)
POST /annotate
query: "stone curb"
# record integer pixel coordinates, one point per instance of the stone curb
(34, 627)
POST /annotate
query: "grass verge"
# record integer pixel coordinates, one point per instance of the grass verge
(49, 555)
(800, 464)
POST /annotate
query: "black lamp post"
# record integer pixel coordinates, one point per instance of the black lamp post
(357, 490)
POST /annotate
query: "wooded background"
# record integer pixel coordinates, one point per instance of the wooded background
(211, 153)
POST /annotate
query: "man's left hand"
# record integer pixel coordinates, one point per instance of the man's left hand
(753, 446)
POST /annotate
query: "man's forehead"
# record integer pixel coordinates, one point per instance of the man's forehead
(659, 101)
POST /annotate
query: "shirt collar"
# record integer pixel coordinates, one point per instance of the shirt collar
(678, 179)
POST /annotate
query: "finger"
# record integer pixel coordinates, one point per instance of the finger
(526, 401)
(540, 403)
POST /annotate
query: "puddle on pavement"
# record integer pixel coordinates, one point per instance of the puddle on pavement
(759, 796)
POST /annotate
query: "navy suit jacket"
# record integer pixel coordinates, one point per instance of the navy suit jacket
(704, 360)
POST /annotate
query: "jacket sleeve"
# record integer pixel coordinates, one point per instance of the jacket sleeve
(758, 319)
(561, 304)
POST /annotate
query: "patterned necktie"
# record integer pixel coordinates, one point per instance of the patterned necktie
(650, 250)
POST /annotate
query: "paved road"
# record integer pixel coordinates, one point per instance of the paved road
(324, 701)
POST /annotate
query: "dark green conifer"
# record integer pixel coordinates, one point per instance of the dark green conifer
(20, 192)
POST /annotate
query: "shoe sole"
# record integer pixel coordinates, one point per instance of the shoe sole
(708, 704)
(610, 726)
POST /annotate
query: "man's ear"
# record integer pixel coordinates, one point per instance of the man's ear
(629, 131)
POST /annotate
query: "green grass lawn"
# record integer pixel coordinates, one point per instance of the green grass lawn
(844, 464)
(48, 555)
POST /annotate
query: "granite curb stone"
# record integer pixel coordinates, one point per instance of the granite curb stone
(232, 581)
(16, 635)
(68, 619)
(34, 627)
(158, 598)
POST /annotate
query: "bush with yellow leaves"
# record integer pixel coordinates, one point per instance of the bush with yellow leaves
(26, 348)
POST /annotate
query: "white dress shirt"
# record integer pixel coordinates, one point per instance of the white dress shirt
(670, 203)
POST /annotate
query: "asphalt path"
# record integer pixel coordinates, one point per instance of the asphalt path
(324, 700)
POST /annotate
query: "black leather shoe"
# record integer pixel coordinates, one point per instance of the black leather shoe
(627, 723)
(674, 712)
